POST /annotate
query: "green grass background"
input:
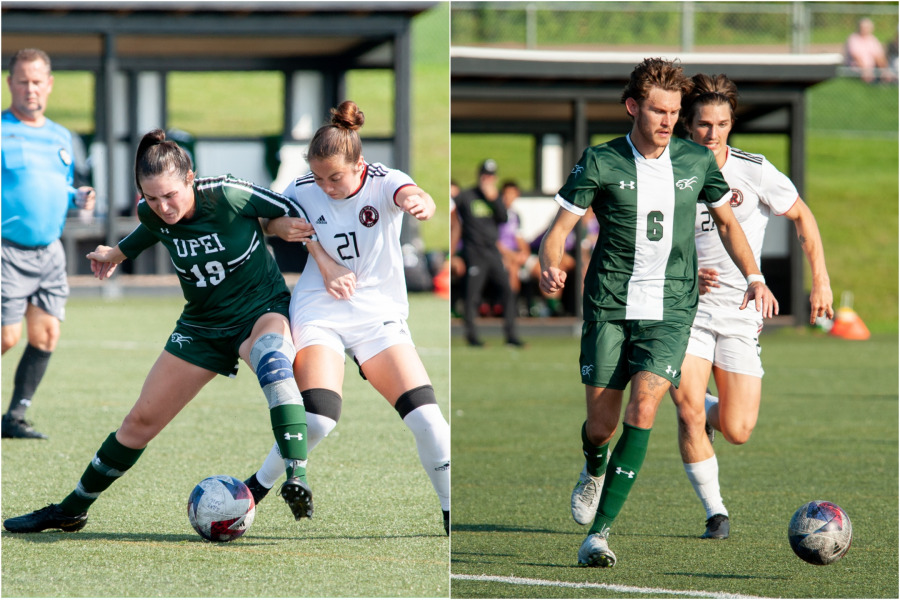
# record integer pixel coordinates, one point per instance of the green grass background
(377, 529)
(827, 431)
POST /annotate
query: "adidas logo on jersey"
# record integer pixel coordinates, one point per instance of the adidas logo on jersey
(321, 220)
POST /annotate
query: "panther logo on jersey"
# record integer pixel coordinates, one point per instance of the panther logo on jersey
(737, 198)
(368, 216)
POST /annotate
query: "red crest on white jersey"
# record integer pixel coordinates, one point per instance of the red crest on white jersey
(368, 216)
(737, 198)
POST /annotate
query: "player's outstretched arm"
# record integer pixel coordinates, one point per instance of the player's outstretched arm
(553, 246)
(415, 201)
(104, 261)
(739, 250)
(820, 297)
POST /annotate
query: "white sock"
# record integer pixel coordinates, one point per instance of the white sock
(704, 476)
(317, 427)
(710, 401)
(432, 433)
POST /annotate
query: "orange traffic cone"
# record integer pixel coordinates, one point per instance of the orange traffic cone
(847, 324)
(441, 281)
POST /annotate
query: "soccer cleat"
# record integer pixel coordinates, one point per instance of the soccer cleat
(447, 521)
(515, 342)
(474, 342)
(595, 552)
(19, 428)
(298, 496)
(586, 496)
(710, 432)
(717, 528)
(49, 517)
(256, 488)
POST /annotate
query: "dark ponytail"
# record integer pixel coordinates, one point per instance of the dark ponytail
(156, 156)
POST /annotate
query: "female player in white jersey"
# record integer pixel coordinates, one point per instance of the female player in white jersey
(357, 209)
(725, 340)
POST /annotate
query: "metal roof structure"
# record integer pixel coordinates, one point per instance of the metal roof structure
(127, 40)
(577, 95)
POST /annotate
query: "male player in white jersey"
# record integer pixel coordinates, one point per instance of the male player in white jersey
(724, 340)
(641, 285)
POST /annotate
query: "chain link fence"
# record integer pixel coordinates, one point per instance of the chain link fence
(845, 104)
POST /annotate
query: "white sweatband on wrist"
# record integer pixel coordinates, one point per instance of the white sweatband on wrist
(751, 279)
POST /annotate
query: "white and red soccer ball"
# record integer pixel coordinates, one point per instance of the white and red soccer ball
(820, 532)
(221, 508)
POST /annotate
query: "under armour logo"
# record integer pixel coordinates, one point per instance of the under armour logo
(321, 220)
(686, 183)
(179, 339)
(587, 370)
(164, 229)
(619, 471)
(671, 371)
(623, 185)
(577, 170)
(288, 436)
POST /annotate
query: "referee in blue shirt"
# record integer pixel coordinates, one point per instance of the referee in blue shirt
(37, 179)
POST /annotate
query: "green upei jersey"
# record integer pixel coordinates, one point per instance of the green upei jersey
(644, 265)
(227, 274)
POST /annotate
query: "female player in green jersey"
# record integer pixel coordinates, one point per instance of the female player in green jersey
(237, 307)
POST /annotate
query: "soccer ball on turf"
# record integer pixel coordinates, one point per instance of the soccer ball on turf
(820, 532)
(221, 508)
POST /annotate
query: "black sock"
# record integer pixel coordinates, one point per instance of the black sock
(29, 373)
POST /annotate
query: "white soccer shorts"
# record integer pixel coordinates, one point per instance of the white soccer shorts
(361, 341)
(728, 338)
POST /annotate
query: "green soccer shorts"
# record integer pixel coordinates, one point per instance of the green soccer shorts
(216, 349)
(613, 351)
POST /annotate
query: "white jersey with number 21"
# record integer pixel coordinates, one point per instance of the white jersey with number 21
(362, 233)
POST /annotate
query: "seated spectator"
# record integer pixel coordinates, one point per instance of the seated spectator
(864, 53)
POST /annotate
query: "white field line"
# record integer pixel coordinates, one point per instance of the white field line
(627, 589)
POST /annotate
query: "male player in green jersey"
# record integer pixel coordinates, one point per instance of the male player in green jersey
(640, 289)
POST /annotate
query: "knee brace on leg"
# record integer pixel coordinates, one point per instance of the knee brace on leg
(272, 356)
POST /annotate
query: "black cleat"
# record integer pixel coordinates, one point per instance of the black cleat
(298, 496)
(710, 432)
(447, 521)
(717, 528)
(256, 488)
(474, 342)
(49, 517)
(515, 343)
(19, 428)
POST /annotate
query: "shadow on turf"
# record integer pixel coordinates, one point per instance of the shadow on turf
(503, 529)
(47, 537)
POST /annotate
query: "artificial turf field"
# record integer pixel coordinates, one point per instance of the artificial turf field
(377, 529)
(827, 431)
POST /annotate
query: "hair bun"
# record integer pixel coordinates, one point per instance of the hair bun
(348, 116)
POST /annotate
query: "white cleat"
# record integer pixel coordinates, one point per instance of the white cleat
(586, 497)
(595, 552)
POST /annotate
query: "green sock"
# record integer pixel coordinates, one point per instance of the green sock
(110, 462)
(289, 427)
(624, 465)
(595, 455)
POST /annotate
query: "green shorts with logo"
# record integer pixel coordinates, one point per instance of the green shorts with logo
(217, 349)
(613, 351)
